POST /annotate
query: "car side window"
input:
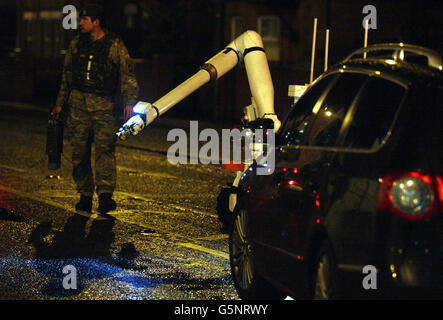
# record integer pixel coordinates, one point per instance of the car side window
(374, 113)
(301, 116)
(329, 118)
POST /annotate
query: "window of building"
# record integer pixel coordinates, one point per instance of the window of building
(28, 21)
(269, 28)
(131, 11)
(50, 32)
(237, 27)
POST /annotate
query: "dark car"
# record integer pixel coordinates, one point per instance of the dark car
(353, 208)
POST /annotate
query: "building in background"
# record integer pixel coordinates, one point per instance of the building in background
(287, 29)
(169, 40)
(41, 42)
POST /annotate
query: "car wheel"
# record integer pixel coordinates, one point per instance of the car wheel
(248, 284)
(225, 216)
(325, 279)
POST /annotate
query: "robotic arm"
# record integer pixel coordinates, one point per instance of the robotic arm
(248, 47)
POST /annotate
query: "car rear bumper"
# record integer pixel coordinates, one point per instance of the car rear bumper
(402, 273)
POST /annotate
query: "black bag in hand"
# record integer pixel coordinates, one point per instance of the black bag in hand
(54, 142)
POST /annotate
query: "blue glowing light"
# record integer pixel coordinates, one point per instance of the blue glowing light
(138, 108)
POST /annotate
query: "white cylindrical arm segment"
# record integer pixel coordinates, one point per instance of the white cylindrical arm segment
(182, 91)
(249, 47)
(223, 62)
(246, 40)
(260, 81)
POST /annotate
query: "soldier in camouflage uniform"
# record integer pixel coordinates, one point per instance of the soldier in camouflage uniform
(95, 62)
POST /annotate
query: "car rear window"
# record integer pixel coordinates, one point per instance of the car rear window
(374, 113)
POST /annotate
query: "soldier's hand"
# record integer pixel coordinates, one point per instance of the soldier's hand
(56, 111)
(127, 112)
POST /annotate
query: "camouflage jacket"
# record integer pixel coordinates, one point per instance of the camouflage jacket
(119, 56)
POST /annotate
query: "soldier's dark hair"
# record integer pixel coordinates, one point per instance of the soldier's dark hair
(94, 11)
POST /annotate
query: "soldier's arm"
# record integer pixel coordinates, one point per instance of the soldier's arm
(128, 81)
(65, 87)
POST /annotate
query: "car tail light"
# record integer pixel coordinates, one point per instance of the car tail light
(411, 195)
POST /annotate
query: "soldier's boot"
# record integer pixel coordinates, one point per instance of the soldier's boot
(85, 204)
(106, 203)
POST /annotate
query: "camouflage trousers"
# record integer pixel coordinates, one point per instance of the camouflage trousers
(91, 120)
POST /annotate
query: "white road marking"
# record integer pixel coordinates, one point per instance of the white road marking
(12, 168)
(147, 173)
(48, 202)
(39, 198)
(139, 197)
(214, 237)
(204, 249)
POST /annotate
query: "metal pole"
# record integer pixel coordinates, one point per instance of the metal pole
(313, 51)
(326, 49)
(366, 36)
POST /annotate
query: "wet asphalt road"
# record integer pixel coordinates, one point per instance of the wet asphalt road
(165, 243)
